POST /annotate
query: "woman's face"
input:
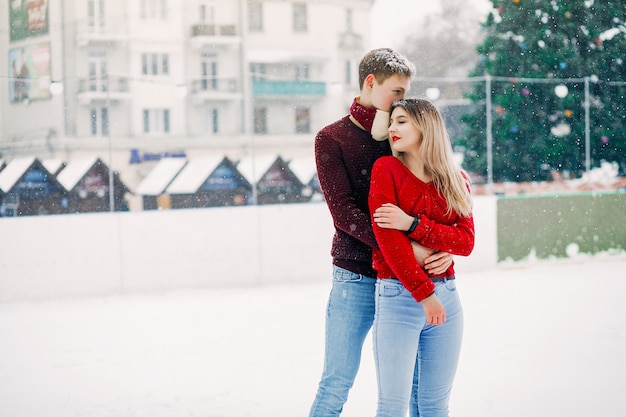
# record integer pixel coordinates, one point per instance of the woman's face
(403, 133)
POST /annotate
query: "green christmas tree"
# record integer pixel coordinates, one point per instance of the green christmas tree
(530, 48)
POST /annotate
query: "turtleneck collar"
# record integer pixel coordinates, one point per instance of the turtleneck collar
(363, 115)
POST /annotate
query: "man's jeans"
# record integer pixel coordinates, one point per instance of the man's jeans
(412, 356)
(349, 317)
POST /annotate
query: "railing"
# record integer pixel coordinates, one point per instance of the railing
(111, 32)
(93, 85)
(203, 29)
(288, 88)
(218, 85)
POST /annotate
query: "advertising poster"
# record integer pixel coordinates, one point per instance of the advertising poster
(28, 18)
(29, 73)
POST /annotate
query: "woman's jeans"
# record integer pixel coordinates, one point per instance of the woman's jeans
(349, 317)
(415, 362)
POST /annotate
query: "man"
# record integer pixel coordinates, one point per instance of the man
(345, 152)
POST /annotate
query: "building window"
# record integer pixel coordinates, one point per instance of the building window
(97, 65)
(155, 64)
(303, 120)
(349, 20)
(255, 16)
(95, 14)
(208, 70)
(207, 13)
(211, 120)
(156, 121)
(166, 121)
(258, 71)
(348, 72)
(163, 9)
(104, 118)
(260, 120)
(215, 119)
(300, 23)
(165, 64)
(153, 9)
(301, 72)
(99, 121)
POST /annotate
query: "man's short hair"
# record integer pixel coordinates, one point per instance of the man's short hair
(383, 63)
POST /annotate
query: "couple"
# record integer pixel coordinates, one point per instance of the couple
(392, 269)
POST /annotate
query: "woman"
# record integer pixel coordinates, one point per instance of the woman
(418, 325)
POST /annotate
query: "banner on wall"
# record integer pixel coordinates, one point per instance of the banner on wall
(28, 18)
(29, 73)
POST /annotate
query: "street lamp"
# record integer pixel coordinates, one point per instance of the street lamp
(107, 80)
(489, 133)
(433, 93)
(56, 88)
(561, 91)
(587, 133)
(562, 129)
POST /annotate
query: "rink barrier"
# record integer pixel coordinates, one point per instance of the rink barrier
(100, 254)
(560, 226)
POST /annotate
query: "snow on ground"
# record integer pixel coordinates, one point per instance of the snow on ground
(541, 339)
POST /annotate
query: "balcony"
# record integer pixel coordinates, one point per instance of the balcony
(288, 88)
(215, 89)
(214, 35)
(98, 90)
(107, 35)
(350, 40)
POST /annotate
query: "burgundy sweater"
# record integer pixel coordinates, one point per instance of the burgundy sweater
(393, 182)
(344, 155)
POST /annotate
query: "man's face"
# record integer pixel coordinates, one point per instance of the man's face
(392, 89)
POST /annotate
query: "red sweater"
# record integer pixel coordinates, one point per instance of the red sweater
(344, 156)
(392, 182)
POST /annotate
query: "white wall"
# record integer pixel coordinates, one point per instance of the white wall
(101, 254)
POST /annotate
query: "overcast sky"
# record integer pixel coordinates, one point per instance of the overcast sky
(392, 19)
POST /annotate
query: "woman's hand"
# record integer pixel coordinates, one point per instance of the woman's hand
(390, 216)
(435, 311)
(437, 263)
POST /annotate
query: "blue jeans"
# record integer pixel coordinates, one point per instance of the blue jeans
(415, 362)
(349, 317)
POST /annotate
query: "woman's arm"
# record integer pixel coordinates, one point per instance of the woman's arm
(435, 261)
(457, 238)
(395, 245)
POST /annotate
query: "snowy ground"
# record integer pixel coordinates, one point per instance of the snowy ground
(545, 339)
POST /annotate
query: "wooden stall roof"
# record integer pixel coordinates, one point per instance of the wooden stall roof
(74, 171)
(17, 168)
(54, 166)
(161, 176)
(14, 170)
(304, 168)
(253, 168)
(193, 175)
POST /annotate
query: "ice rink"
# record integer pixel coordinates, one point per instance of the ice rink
(541, 339)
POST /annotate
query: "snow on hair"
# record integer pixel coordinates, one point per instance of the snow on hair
(383, 63)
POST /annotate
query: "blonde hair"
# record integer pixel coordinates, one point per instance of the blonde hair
(436, 151)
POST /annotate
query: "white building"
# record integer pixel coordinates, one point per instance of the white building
(129, 81)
